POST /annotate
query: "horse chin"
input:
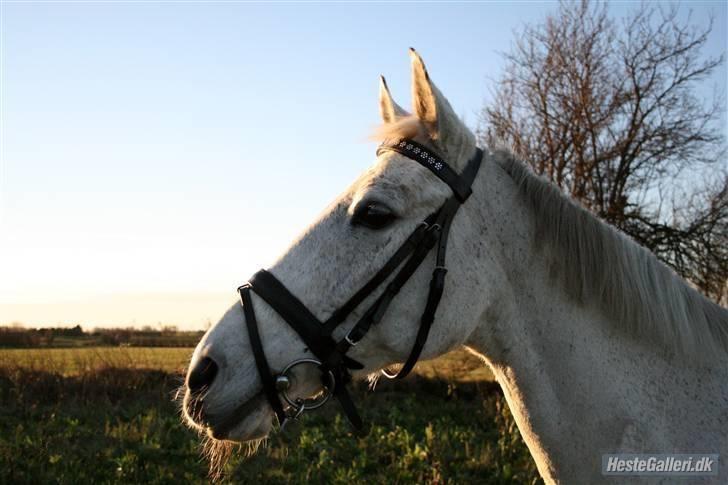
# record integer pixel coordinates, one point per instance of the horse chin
(252, 428)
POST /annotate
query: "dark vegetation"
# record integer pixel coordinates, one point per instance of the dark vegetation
(117, 425)
(111, 420)
(20, 337)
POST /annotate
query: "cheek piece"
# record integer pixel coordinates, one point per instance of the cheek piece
(331, 358)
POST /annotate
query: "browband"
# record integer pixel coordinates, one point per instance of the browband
(430, 160)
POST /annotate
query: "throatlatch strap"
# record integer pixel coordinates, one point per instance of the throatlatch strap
(437, 286)
(269, 386)
(437, 283)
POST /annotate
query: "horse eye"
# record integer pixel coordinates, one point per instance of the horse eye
(373, 215)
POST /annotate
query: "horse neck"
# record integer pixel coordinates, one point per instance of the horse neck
(558, 361)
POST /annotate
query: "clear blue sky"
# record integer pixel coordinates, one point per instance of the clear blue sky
(155, 154)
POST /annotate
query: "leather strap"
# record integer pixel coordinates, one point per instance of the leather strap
(375, 312)
(347, 403)
(269, 385)
(291, 309)
(298, 316)
(394, 261)
(437, 286)
(432, 161)
(437, 283)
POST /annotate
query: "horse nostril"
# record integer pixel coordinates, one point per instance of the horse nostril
(202, 375)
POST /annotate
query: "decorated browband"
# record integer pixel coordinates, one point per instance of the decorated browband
(432, 161)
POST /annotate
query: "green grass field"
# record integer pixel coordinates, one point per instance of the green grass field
(106, 415)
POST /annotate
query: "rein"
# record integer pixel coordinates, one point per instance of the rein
(331, 358)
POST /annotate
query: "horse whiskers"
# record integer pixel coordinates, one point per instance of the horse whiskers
(217, 453)
(372, 379)
(178, 393)
(192, 413)
(251, 447)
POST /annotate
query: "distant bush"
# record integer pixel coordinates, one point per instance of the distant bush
(168, 336)
(21, 337)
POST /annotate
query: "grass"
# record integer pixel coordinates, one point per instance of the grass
(79, 360)
(85, 420)
(459, 366)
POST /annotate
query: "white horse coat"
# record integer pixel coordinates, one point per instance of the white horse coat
(599, 347)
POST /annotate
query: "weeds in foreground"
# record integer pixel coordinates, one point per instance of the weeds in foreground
(120, 425)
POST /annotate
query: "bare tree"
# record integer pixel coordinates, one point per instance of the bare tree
(608, 110)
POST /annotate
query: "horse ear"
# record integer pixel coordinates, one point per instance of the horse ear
(389, 110)
(431, 107)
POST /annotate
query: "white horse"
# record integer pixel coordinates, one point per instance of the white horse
(599, 347)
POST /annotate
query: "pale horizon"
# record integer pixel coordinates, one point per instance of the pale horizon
(154, 156)
(186, 311)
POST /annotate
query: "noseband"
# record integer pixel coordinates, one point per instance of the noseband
(334, 364)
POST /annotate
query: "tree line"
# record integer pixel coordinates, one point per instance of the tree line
(19, 337)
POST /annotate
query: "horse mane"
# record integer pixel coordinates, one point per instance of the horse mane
(597, 263)
(600, 264)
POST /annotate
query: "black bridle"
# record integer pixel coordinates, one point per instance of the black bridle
(331, 356)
